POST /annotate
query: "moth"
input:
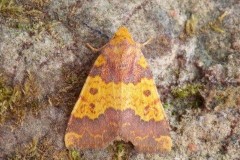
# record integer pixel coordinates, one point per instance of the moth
(119, 101)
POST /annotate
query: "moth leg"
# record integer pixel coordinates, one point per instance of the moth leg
(147, 42)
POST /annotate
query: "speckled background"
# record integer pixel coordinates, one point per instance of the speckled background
(194, 56)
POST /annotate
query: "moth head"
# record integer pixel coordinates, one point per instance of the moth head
(121, 35)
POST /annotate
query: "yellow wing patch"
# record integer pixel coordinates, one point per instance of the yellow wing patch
(165, 142)
(71, 137)
(142, 62)
(97, 96)
(100, 61)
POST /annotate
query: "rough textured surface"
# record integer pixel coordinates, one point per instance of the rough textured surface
(195, 63)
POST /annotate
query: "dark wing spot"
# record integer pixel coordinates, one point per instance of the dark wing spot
(92, 106)
(146, 110)
(147, 93)
(93, 91)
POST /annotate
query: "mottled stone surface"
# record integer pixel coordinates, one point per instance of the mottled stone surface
(55, 52)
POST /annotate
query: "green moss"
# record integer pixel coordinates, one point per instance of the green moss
(8, 97)
(167, 105)
(186, 90)
(28, 152)
(16, 100)
(121, 150)
(40, 3)
(188, 95)
(27, 17)
(190, 26)
(38, 149)
(10, 8)
(74, 155)
(216, 25)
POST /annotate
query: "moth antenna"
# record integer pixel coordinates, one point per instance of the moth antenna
(147, 42)
(92, 48)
